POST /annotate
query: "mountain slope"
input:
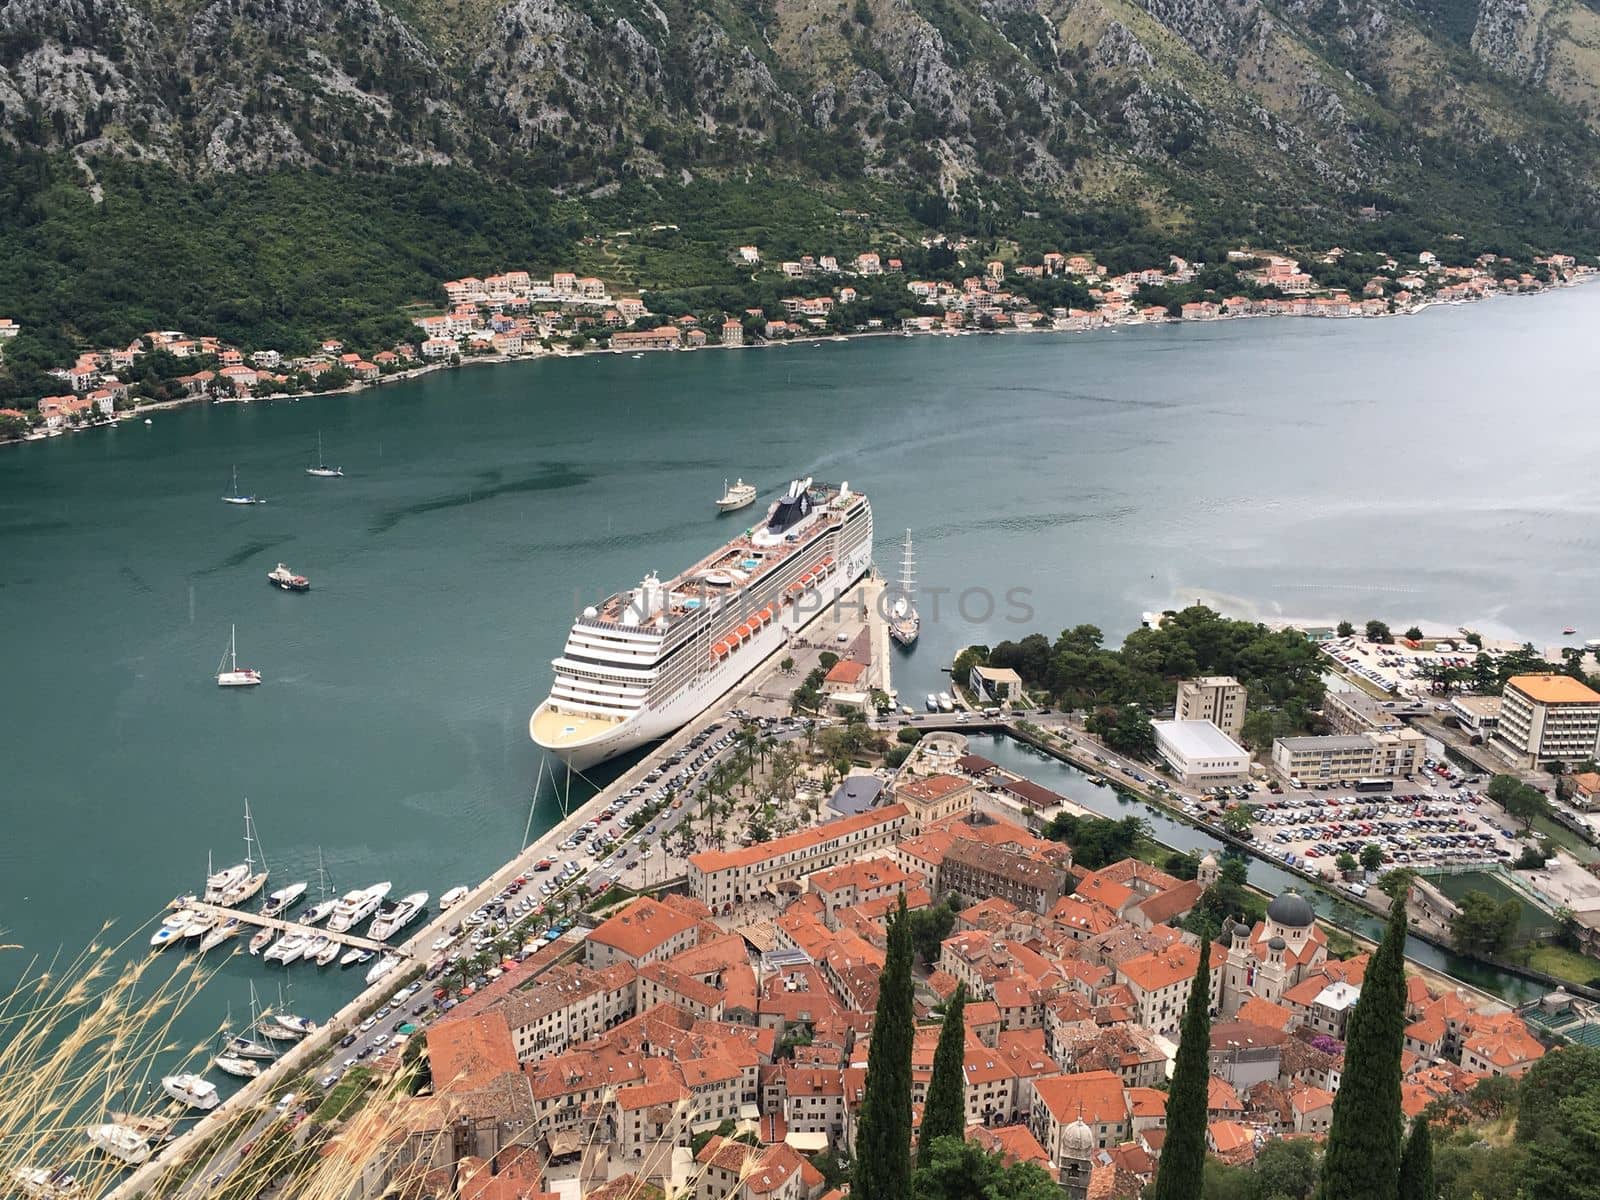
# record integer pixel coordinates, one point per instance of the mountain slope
(1274, 119)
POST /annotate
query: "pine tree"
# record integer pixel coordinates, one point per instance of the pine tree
(1364, 1141)
(945, 1112)
(1180, 1173)
(883, 1138)
(1416, 1164)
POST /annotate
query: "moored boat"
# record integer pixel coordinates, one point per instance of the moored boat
(262, 938)
(287, 948)
(233, 1065)
(191, 1090)
(904, 622)
(453, 897)
(382, 967)
(296, 1026)
(231, 928)
(279, 901)
(328, 953)
(355, 956)
(119, 1141)
(356, 906)
(235, 496)
(393, 918)
(171, 929)
(41, 1183)
(946, 703)
(322, 470)
(243, 1047)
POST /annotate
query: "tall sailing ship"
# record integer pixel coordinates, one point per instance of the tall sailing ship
(647, 660)
(904, 622)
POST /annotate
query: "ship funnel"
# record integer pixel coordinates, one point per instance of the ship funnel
(844, 490)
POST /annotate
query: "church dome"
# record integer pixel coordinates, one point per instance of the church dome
(1277, 944)
(1291, 909)
(1077, 1140)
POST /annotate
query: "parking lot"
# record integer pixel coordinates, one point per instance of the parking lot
(1398, 669)
(1440, 818)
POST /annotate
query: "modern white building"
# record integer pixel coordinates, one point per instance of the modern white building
(1219, 699)
(1200, 754)
(1349, 757)
(1548, 718)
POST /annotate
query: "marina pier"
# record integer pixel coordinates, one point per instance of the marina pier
(262, 921)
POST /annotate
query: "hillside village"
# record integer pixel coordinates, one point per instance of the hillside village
(632, 1055)
(513, 314)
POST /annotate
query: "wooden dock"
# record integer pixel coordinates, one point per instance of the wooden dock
(263, 921)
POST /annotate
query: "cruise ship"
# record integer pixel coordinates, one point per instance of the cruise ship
(650, 659)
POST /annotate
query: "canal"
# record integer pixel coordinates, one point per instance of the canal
(1073, 783)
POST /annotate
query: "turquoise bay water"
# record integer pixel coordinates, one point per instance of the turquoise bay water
(1434, 467)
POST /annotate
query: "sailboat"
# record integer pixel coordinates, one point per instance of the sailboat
(250, 881)
(229, 673)
(235, 497)
(904, 622)
(325, 901)
(322, 469)
(230, 928)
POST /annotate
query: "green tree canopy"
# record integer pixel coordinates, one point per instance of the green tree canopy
(944, 1114)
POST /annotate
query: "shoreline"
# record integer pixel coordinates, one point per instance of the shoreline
(418, 372)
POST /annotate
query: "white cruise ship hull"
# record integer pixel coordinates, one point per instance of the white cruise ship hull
(656, 721)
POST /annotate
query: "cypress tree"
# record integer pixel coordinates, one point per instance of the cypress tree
(945, 1112)
(1364, 1141)
(882, 1169)
(1416, 1164)
(1180, 1172)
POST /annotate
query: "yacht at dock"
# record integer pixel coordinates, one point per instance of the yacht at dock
(191, 1090)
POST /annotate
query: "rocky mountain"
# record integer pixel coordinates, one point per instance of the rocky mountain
(1482, 112)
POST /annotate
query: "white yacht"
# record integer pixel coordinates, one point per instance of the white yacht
(946, 703)
(382, 967)
(932, 702)
(240, 1046)
(396, 917)
(643, 662)
(287, 948)
(355, 907)
(120, 1142)
(171, 930)
(328, 953)
(229, 672)
(220, 883)
(453, 897)
(355, 956)
(279, 901)
(262, 938)
(191, 1090)
(200, 924)
(740, 495)
(293, 1026)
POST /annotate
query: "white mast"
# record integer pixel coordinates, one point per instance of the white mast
(908, 570)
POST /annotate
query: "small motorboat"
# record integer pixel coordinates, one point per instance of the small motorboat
(44, 1184)
(1568, 631)
(262, 939)
(453, 897)
(328, 953)
(355, 956)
